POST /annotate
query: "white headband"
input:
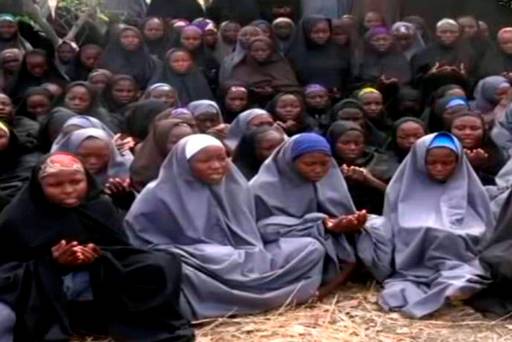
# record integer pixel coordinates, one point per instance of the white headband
(447, 22)
(197, 142)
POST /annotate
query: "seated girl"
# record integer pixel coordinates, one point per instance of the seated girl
(244, 122)
(201, 208)
(482, 152)
(256, 145)
(406, 132)
(162, 92)
(26, 129)
(439, 213)
(366, 170)
(318, 106)
(208, 118)
(289, 112)
(235, 100)
(64, 243)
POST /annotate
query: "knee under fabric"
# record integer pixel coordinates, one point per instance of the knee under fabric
(7, 322)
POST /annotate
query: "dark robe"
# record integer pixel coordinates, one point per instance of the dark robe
(392, 64)
(51, 126)
(432, 11)
(135, 292)
(241, 11)
(175, 9)
(494, 62)
(139, 116)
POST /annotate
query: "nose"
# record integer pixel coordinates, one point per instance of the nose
(67, 189)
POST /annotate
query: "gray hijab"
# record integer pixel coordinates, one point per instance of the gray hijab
(240, 126)
(117, 167)
(438, 230)
(204, 106)
(229, 268)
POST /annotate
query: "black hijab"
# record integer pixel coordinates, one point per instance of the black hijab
(328, 64)
(51, 126)
(140, 115)
(392, 146)
(22, 110)
(175, 9)
(160, 46)
(138, 64)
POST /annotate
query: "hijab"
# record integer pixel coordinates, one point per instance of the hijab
(241, 125)
(16, 41)
(22, 109)
(139, 64)
(139, 117)
(402, 27)
(486, 100)
(160, 46)
(51, 127)
(223, 48)
(284, 44)
(392, 145)
(204, 106)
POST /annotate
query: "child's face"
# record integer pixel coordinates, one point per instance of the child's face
(382, 42)
(37, 65)
(99, 82)
(180, 62)
(373, 19)
(78, 99)
(505, 42)
(372, 105)
(229, 32)
(210, 38)
(261, 120)
(469, 130)
(441, 163)
(66, 53)
(317, 99)
(154, 29)
(407, 135)
(404, 39)
(283, 30)
(313, 166)
(340, 37)
(447, 35)
(267, 144)
(90, 57)
(248, 33)
(124, 92)
(167, 96)
(65, 188)
(130, 40)
(38, 105)
(207, 121)
(8, 29)
(260, 52)
(94, 154)
(191, 39)
(350, 146)
(176, 134)
(469, 26)
(236, 100)
(11, 62)
(288, 108)
(6, 108)
(210, 165)
(320, 33)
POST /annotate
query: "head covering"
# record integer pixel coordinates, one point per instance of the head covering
(158, 47)
(284, 44)
(204, 106)
(51, 127)
(367, 90)
(437, 232)
(117, 167)
(241, 125)
(139, 116)
(447, 22)
(445, 140)
(60, 161)
(22, 109)
(314, 88)
(309, 143)
(402, 27)
(152, 152)
(392, 145)
(457, 101)
(200, 142)
(485, 93)
(229, 268)
(163, 86)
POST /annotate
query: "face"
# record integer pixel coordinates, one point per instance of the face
(261, 120)
(176, 134)
(503, 92)
(37, 65)
(65, 53)
(124, 92)
(407, 134)
(154, 29)
(469, 27)
(94, 154)
(247, 34)
(180, 62)
(352, 115)
(191, 39)
(90, 57)
(4, 140)
(320, 33)
(382, 42)
(372, 104)
(318, 99)
(283, 30)
(207, 121)
(260, 52)
(447, 35)
(469, 130)
(267, 144)
(210, 38)
(6, 108)
(288, 108)
(38, 105)
(8, 29)
(340, 37)
(167, 96)
(313, 166)
(505, 42)
(229, 32)
(78, 99)
(210, 165)
(350, 146)
(99, 82)
(236, 100)
(404, 39)
(130, 40)
(373, 19)
(441, 164)
(65, 188)
(11, 63)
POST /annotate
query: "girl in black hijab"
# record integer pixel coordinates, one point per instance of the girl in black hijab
(406, 131)
(36, 104)
(26, 129)
(498, 59)
(120, 92)
(127, 54)
(316, 59)
(175, 9)
(156, 36)
(73, 254)
(139, 116)
(289, 112)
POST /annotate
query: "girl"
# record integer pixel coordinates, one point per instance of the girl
(139, 116)
(127, 54)
(372, 102)
(289, 113)
(231, 268)
(284, 31)
(37, 104)
(228, 34)
(208, 118)
(244, 122)
(10, 64)
(10, 37)
(408, 38)
(120, 92)
(404, 135)
(492, 97)
(256, 145)
(25, 128)
(151, 153)
(182, 74)
(265, 71)
(366, 170)
(156, 36)
(99, 79)
(437, 229)
(236, 101)
(86, 62)
(69, 226)
(318, 106)
(162, 92)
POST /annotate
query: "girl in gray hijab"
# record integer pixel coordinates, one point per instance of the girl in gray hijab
(201, 208)
(439, 214)
(243, 122)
